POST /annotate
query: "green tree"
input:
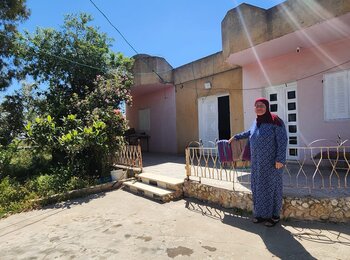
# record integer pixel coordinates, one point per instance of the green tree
(11, 13)
(87, 83)
(16, 110)
(11, 118)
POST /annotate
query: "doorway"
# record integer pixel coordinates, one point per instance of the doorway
(214, 119)
(224, 117)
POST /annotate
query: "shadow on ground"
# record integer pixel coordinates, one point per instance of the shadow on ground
(281, 240)
(48, 211)
(76, 201)
(153, 159)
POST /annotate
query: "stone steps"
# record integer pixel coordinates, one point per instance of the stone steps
(159, 180)
(156, 186)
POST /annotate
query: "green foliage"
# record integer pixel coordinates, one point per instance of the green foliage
(14, 197)
(25, 163)
(85, 146)
(6, 155)
(75, 126)
(17, 109)
(82, 123)
(11, 13)
(56, 181)
(75, 183)
(44, 185)
(11, 118)
(47, 54)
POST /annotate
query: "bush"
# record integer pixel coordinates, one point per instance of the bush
(26, 163)
(77, 183)
(6, 155)
(14, 197)
(44, 185)
(17, 197)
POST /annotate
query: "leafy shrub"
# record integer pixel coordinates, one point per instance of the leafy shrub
(27, 163)
(44, 185)
(14, 197)
(6, 154)
(76, 183)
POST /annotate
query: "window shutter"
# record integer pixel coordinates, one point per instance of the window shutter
(144, 120)
(336, 95)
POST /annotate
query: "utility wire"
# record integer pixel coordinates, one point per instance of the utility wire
(109, 21)
(61, 58)
(257, 88)
(37, 50)
(181, 83)
(338, 65)
(71, 61)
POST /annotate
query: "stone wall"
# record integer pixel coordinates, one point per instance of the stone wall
(306, 208)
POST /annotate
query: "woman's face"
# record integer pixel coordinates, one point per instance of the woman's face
(260, 108)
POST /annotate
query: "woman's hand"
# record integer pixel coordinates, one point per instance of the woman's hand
(278, 165)
(231, 139)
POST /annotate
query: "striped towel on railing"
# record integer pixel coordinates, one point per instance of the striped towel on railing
(231, 152)
(225, 151)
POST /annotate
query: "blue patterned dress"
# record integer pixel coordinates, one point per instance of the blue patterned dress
(268, 144)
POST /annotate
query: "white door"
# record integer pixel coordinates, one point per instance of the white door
(208, 120)
(283, 102)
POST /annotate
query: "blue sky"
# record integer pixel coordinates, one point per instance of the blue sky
(181, 31)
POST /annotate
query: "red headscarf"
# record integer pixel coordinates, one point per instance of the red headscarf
(268, 117)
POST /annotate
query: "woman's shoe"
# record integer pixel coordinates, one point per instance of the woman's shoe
(271, 222)
(276, 219)
(257, 220)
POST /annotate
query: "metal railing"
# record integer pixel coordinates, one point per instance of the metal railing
(316, 168)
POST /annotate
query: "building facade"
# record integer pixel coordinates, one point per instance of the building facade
(296, 54)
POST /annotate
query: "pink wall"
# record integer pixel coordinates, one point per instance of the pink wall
(293, 67)
(162, 118)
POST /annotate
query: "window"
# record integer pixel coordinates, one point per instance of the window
(292, 128)
(291, 95)
(144, 120)
(273, 108)
(336, 94)
(273, 97)
(292, 106)
(292, 117)
(293, 152)
(293, 140)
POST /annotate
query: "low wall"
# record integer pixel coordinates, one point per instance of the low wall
(306, 208)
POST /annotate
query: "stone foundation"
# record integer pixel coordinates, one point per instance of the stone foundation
(306, 208)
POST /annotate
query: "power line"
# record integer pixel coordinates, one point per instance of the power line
(105, 16)
(338, 65)
(71, 61)
(257, 88)
(61, 58)
(37, 50)
(141, 58)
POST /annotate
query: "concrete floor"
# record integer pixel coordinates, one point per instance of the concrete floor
(120, 225)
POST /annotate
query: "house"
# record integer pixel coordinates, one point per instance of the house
(153, 114)
(296, 54)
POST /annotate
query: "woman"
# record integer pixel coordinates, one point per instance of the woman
(268, 144)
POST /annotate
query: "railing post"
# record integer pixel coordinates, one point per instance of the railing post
(139, 153)
(188, 168)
